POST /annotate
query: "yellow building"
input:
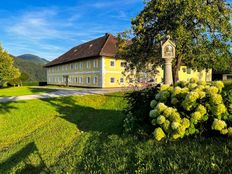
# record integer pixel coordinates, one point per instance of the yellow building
(93, 64)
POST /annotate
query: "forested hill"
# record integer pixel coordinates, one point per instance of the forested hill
(33, 58)
(32, 65)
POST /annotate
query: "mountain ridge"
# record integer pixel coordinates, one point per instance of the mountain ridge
(32, 65)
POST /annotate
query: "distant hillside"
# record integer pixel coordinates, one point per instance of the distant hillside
(33, 58)
(32, 65)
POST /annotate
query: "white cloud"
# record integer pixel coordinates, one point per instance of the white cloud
(51, 31)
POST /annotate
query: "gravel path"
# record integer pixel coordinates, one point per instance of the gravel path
(61, 93)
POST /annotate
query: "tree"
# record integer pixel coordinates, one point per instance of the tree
(7, 70)
(201, 30)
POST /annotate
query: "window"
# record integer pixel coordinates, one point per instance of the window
(71, 66)
(95, 63)
(121, 80)
(88, 64)
(130, 80)
(63, 67)
(112, 80)
(88, 80)
(81, 65)
(123, 64)
(66, 67)
(76, 80)
(80, 80)
(112, 63)
(189, 71)
(76, 66)
(95, 80)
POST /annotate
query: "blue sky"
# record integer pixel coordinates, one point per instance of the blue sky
(48, 28)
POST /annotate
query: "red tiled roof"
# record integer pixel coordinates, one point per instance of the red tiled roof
(102, 46)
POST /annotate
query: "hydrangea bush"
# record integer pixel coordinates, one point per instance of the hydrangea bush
(187, 108)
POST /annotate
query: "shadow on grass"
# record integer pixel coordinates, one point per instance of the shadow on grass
(41, 90)
(22, 156)
(6, 107)
(88, 118)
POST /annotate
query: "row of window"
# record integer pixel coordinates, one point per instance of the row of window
(80, 80)
(77, 66)
(122, 64)
(73, 80)
(74, 66)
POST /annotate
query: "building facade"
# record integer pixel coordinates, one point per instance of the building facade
(93, 64)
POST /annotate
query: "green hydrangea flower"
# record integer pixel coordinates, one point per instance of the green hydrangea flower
(175, 136)
(161, 119)
(177, 90)
(154, 113)
(201, 94)
(159, 134)
(185, 123)
(161, 107)
(212, 90)
(193, 80)
(201, 109)
(219, 85)
(192, 96)
(163, 96)
(192, 86)
(168, 111)
(164, 87)
(230, 131)
(216, 99)
(153, 122)
(224, 131)
(166, 125)
(187, 105)
(153, 103)
(196, 115)
(201, 83)
(218, 124)
(174, 100)
(175, 125)
(185, 90)
(175, 116)
(219, 109)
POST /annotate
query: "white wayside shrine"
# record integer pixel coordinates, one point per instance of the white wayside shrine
(168, 54)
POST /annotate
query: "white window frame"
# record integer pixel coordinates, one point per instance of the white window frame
(123, 62)
(122, 80)
(114, 63)
(80, 80)
(81, 65)
(111, 81)
(88, 79)
(76, 66)
(95, 63)
(95, 80)
(88, 65)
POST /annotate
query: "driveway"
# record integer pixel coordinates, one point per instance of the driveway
(61, 93)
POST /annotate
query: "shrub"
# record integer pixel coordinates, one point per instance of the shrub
(137, 120)
(189, 108)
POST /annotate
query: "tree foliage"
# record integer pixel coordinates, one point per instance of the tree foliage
(201, 30)
(7, 70)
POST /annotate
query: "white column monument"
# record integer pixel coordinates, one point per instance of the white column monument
(168, 54)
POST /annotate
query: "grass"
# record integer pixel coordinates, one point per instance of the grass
(25, 90)
(83, 134)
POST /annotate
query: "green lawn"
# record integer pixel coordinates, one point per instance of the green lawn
(25, 90)
(83, 134)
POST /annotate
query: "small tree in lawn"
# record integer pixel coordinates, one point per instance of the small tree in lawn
(201, 29)
(7, 70)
